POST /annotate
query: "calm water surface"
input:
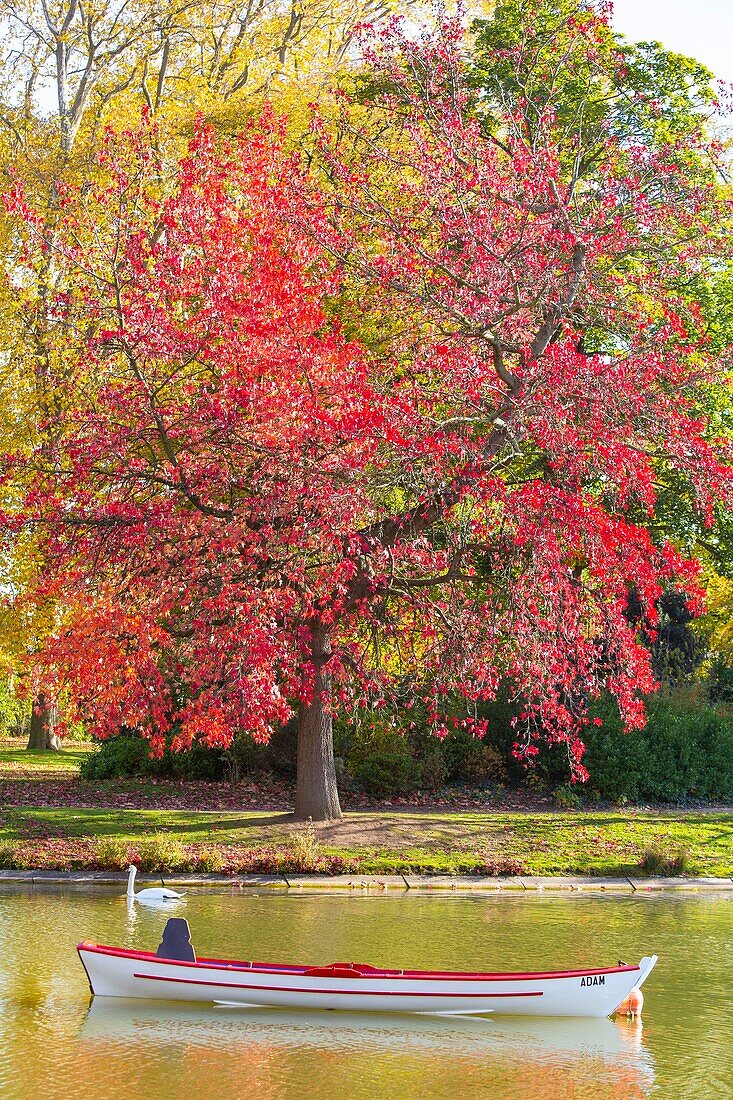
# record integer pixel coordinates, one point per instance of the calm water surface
(54, 1044)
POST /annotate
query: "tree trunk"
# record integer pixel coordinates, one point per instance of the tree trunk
(43, 723)
(316, 793)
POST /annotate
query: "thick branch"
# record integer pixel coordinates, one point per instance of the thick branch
(558, 312)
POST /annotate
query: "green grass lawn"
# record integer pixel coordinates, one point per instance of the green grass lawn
(543, 843)
(15, 759)
(539, 843)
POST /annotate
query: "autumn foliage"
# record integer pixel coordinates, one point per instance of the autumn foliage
(388, 419)
(223, 419)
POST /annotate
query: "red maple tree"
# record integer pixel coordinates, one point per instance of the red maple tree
(248, 512)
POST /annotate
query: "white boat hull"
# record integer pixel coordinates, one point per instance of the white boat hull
(114, 972)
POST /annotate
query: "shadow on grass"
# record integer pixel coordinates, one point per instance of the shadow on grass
(28, 758)
(114, 822)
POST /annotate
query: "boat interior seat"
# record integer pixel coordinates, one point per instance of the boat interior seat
(348, 970)
(176, 944)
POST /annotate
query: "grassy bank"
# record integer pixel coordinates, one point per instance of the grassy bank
(550, 843)
(49, 819)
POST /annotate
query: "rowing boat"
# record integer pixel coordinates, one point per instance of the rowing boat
(174, 973)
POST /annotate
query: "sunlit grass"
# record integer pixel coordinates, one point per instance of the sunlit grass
(543, 843)
(15, 759)
(595, 843)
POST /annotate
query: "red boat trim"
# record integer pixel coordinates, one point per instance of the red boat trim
(358, 992)
(280, 968)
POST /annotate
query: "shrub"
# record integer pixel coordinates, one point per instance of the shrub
(197, 763)
(7, 855)
(162, 852)
(113, 855)
(655, 862)
(434, 768)
(684, 751)
(385, 774)
(378, 758)
(210, 860)
(245, 757)
(719, 684)
(498, 865)
(282, 750)
(567, 798)
(304, 851)
(473, 760)
(127, 755)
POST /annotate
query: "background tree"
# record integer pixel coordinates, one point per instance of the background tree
(71, 69)
(564, 63)
(247, 504)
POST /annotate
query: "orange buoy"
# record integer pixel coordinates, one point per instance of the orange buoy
(632, 1005)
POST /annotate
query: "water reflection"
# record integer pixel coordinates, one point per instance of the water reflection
(561, 1050)
(118, 1019)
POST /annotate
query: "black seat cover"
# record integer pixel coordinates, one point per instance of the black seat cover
(176, 943)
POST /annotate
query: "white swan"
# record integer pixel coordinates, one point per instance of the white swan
(152, 894)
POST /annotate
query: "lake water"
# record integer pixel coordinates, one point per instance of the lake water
(54, 1044)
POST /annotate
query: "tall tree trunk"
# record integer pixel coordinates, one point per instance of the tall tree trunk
(43, 724)
(316, 793)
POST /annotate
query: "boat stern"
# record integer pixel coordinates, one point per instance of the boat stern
(108, 976)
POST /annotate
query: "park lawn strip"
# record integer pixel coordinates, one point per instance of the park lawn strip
(560, 843)
(21, 763)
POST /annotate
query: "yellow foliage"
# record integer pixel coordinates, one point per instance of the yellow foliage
(716, 626)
